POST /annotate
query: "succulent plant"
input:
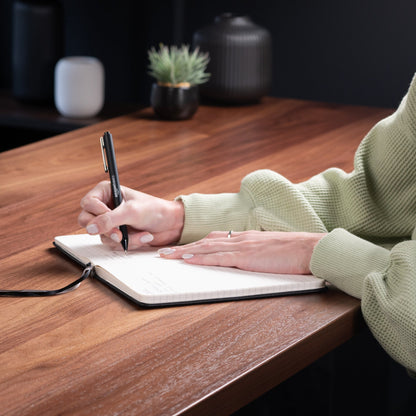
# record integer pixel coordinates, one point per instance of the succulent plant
(178, 67)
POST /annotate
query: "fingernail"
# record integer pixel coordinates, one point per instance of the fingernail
(147, 238)
(114, 237)
(187, 256)
(92, 229)
(166, 251)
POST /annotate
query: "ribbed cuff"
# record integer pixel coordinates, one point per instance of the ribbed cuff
(344, 260)
(217, 212)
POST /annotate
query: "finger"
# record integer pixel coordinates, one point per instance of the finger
(94, 225)
(84, 218)
(135, 242)
(101, 192)
(223, 234)
(217, 234)
(109, 221)
(101, 224)
(229, 259)
(223, 259)
(110, 242)
(199, 247)
(140, 239)
(127, 213)
(145, 238)
(95, 206)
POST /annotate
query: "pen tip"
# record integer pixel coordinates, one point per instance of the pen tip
(125, 252)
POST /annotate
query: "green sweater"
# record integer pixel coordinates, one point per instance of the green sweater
(370, 215)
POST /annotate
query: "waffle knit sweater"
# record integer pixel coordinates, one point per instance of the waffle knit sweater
(369, 215)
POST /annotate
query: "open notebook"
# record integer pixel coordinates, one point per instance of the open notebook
(152, 281)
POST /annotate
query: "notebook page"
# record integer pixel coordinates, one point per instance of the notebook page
(149, 278)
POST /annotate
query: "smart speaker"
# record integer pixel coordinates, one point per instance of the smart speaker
(79, 86)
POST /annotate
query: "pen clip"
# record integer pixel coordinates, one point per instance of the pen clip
(104, 154)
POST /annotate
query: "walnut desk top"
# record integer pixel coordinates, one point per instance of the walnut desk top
(92, 352)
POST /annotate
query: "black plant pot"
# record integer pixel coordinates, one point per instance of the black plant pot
(174, 103)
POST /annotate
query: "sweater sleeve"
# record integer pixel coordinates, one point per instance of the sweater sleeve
(384, 280)
(266, 201)
(364, 211)
(375, 201)
(375, 206)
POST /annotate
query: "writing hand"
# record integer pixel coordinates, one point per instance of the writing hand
(150, 220)
(259, 251)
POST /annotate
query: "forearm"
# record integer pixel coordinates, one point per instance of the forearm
(266, 201)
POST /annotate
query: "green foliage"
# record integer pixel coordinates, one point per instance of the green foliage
(173, 66)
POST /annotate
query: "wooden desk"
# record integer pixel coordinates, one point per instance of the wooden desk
(91, 352)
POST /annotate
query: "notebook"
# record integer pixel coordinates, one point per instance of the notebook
(153, 281)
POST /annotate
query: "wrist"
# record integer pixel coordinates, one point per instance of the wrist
(315, 238)
(178, 216)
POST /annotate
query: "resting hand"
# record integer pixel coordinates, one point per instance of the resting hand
(150, 220)
(259, 251)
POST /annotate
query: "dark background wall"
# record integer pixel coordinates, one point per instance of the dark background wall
(355, 51)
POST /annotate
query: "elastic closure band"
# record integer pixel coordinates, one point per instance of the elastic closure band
(88, 271)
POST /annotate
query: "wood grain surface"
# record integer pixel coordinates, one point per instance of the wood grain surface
(92, 352)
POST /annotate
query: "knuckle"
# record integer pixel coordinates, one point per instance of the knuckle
(132, 204)
(84, 201)
(82, 219)
(104, 222)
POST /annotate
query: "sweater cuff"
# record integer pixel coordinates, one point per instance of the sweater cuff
(217, 212)
(344, 260)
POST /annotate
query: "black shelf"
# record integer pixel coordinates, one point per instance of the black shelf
(22, 123)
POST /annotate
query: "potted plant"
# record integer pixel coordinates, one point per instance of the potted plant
(178, 73)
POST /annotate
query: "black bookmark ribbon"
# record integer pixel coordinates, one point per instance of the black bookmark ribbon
(88, 271)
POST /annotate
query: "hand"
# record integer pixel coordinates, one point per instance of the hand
(258, 251)
(150, 220)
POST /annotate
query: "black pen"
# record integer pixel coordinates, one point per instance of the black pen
(110, 166)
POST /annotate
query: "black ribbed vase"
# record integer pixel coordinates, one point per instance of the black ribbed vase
(240, 59)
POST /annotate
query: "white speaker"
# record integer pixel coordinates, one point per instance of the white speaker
(79, 86)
